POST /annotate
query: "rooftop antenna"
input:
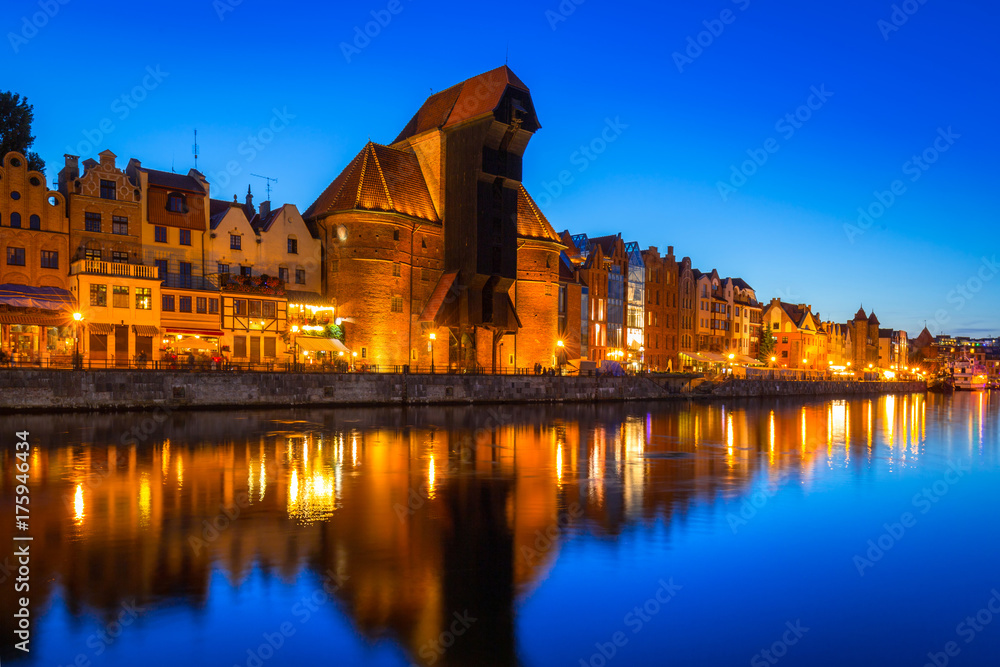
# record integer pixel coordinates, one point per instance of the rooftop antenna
(506, 58)
(194, 149)
(269, 181)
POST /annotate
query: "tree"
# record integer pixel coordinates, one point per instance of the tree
(765, 345)
(16, 117)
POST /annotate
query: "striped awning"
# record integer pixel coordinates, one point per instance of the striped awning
(47, 298)
(45, 319)
(145, 330)
(100, 328)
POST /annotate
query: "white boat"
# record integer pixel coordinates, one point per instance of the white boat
(968, 375)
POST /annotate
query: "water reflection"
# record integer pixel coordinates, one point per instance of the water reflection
(427, 513)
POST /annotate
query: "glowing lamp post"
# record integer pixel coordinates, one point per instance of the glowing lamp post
(77, 360)
(430, 344)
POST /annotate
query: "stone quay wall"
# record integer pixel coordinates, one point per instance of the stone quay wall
(64, 390)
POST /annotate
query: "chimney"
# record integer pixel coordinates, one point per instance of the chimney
(670, 250)
(265, 209)
(70, 172)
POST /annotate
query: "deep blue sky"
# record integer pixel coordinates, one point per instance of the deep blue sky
(783, 231)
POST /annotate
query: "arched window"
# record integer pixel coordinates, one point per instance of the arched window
(15, 220)
(34, 222)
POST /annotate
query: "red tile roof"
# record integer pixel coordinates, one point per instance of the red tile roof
(380, 178)
(531, 222)
(473, 97)
(172, 181)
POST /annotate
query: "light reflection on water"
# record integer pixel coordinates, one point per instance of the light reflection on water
(543, 523)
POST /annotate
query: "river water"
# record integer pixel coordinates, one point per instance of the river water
(800, 532)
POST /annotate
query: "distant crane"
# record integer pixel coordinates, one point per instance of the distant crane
(269, 181)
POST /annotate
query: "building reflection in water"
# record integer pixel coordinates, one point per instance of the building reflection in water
(453, 510)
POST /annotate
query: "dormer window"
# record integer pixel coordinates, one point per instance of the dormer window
(176, 203)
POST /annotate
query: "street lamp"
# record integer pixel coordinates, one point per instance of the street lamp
(433, 337)
(77, 361)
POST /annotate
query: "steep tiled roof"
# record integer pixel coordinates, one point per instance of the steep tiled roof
(473, 97)
(218, 209)
(607, 243)
(740, 283)
(872, 319)
(171, 181)
(380, 178)
(531, 222)
(860, 315)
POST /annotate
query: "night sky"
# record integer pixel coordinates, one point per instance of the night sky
(695, 96)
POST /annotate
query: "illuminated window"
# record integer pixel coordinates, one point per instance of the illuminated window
(255, 308)
(397, 269)
(397, 304)
(119, 296)
(143, 298)
(99, 295)
(364, 353)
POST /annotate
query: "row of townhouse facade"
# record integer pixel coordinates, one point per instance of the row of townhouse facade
(427, 251)
(134, 264)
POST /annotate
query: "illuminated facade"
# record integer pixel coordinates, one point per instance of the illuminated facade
(35, 304)
(661, 323)
(416, 246)
(800, 339)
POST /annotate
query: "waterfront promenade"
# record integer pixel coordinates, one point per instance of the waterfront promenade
(53, 390)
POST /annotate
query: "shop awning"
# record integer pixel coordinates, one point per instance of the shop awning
(195, 344)
(710, 357)
(314, 344)
(100, 328)
(45, 319)
(145, 330)
(195, 332)
(307, 299)
(433, 307)
(748, 361)
(47, 298)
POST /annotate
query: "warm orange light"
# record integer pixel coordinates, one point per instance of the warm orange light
(433, 336)
(560, 344)
(77, 316)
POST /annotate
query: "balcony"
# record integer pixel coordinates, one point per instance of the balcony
(118, 269)
(185, 281)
